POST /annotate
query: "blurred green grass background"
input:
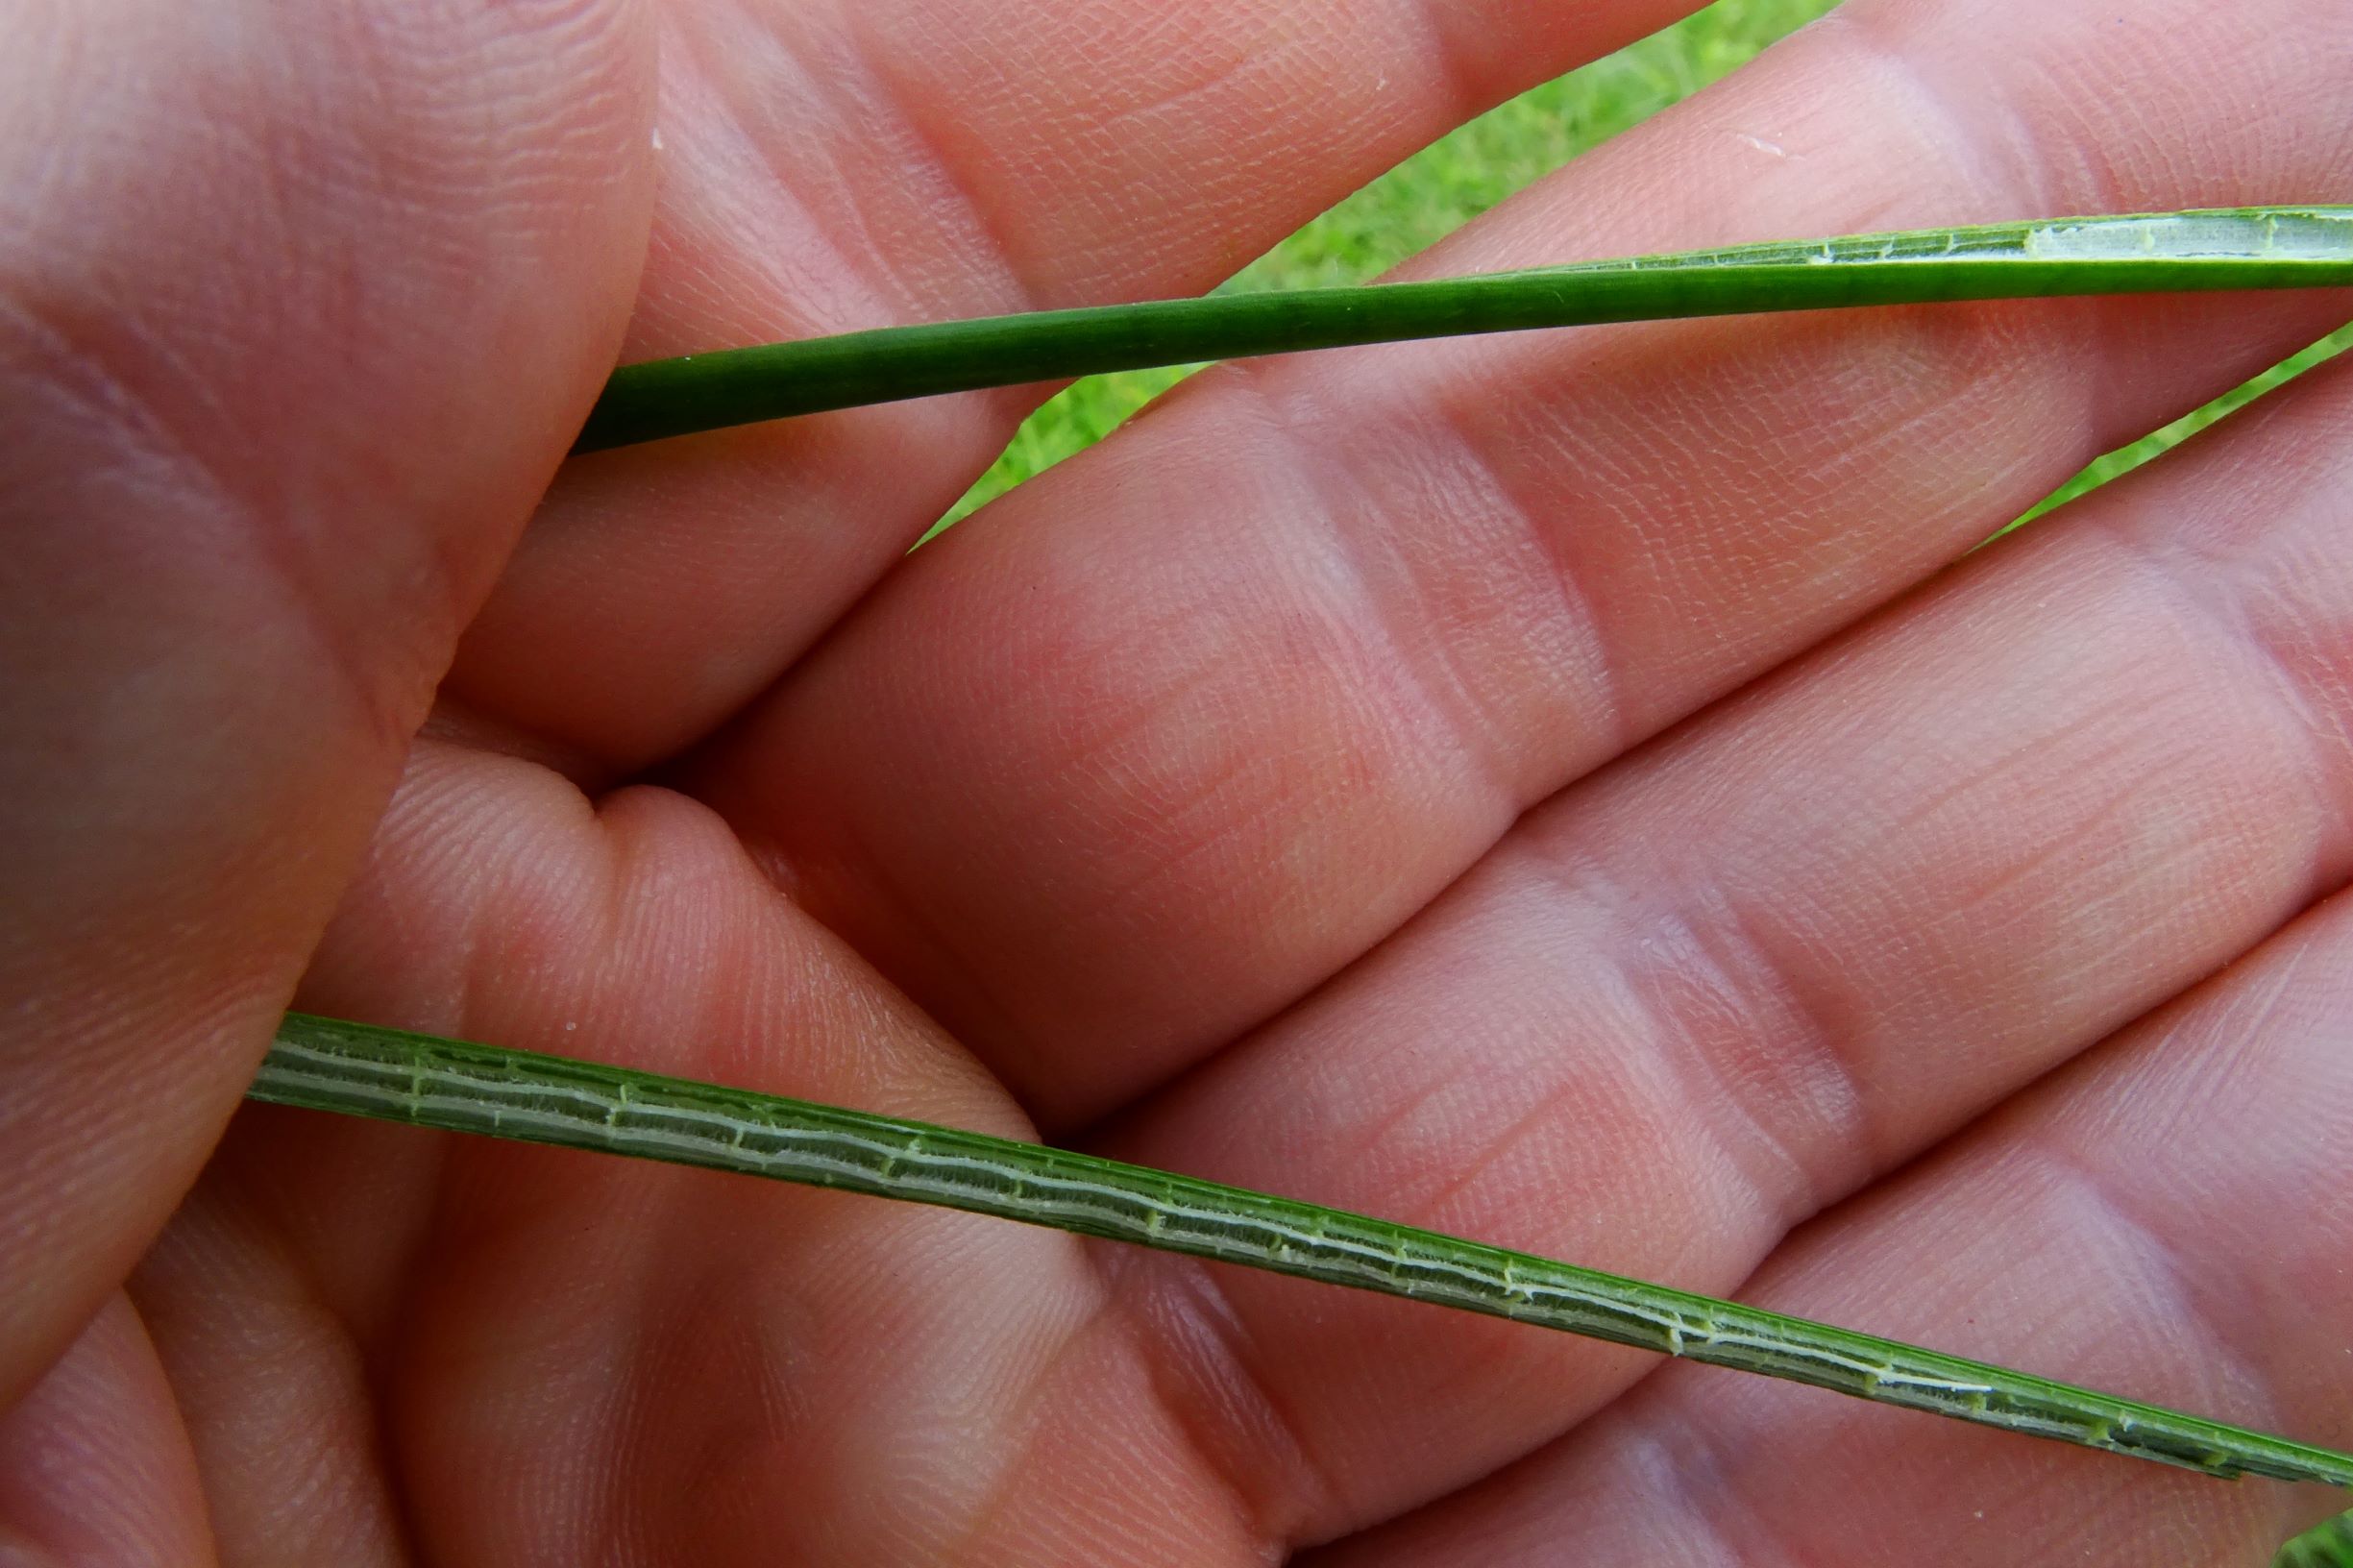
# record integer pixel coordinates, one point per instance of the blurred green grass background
(1454, 181)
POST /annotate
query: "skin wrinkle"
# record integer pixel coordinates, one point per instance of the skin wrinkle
(1900, 398)
(2220, 612)
(2308, 641)
(999, 273)
(2114, 809)
(365, 1302)
(1462, 92)
(504, 926)
(2243, 1020)
(1832, 1167)
(2169, 1284)
(93, 388)
(1875, 35)
(807, 302)
(430, 573)
(1988, 353)
(1211, 779)
(1216, 1350)
(2151, 156)
(1732, 945)
(1607, 720)
(341, 290)
(120, 407)
(873, 289)
(592, 1479)
(1976, 771)
(1041, 281)
(1423, 1205)
(1458, 713)
(998, 1496)
(2075, 1145)
(1367, 1144)
(851, 223)
(665, 1349)
(82, 1480)
(1434, 1112)
(1539, 1122)
(256, 1230)
(1217, 789)
(1103, 266)
(851, 861)
(1694, 1468)
(214, 1012)
(1827, 1155)
(389, 709)
(1122, 124)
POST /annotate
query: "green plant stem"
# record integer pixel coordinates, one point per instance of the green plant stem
(2238, 248)
(360, 1069)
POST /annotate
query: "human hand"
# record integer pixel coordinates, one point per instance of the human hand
(1270, 793)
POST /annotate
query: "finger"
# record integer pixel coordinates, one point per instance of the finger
(1691, 1002)
(93, 1464)
(553, 1352)
(295, 310)
(276, 1396)
(1200, 717)
(2165, 1219)
(837, 166)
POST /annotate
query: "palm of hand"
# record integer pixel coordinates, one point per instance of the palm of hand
(1271, 795)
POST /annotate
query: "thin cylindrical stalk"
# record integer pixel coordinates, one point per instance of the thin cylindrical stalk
(2239, 248)
(326, 1064)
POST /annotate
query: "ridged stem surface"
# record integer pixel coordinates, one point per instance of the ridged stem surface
(326, 1064)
